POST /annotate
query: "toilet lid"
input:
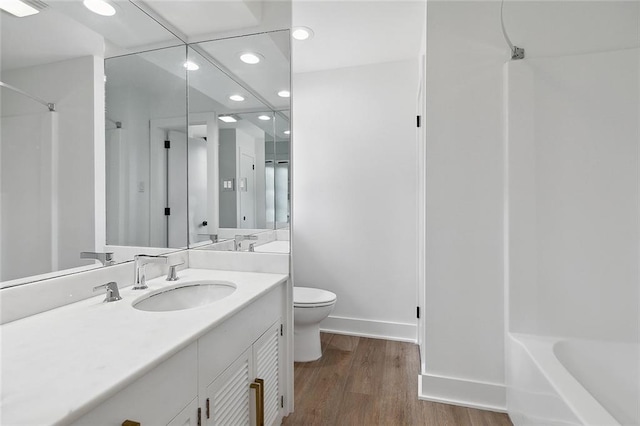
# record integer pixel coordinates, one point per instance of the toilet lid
(306, 296)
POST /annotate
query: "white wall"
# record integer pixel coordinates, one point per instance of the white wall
(71, 85)
(464, 279)
(354, 194)
(129, 106)
(465, 319)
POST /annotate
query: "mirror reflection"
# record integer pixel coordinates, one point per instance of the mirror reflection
(145, 151)
(78, 179)
(233, 185)
(177, 180)
(51, 172)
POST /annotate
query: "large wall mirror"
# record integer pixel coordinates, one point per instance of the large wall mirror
(196, 141)
(93, 172)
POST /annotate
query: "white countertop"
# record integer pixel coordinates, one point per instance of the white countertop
(58, 365)
(274, 247)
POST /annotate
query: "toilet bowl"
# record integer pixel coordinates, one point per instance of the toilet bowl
(310, 306)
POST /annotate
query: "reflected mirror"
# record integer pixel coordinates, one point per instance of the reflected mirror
(236, 99)
(176, 180)
(146, 161)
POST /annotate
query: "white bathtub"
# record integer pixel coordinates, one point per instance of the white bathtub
(555, 382)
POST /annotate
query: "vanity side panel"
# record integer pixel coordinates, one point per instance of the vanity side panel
(154, 399)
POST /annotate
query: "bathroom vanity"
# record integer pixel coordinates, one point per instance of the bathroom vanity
(93, 362)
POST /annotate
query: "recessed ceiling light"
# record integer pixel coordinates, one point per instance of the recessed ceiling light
(17, 8)
(264, 117)
(227, 118)
(100, 7)
(302, 33)
(191, 66)
(250, 58)
(284, 93)
(287, 132)
(236, 98)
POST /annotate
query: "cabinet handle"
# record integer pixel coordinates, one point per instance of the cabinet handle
(208, 410)
(130, 423)
(258, 385)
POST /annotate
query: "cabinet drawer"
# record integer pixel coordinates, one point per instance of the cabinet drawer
(154, 399)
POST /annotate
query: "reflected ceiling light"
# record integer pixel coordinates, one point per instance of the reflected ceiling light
(284, 93)
(287, 132)
(100, 7)
(17, 8)
(302, 33)
(264, 117)
(236, 98)
(250, 58)
(191, 66)
(227, 118)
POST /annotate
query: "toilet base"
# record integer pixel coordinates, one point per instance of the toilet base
(306, 343)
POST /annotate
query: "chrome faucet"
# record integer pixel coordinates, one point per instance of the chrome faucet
(105, 258)
(112, 291)
(141, 260)
(173, 273)
(238, 239)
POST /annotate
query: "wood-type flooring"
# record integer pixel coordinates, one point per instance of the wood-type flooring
(362, 381)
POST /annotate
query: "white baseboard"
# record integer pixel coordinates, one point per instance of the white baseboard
(369, 328)
(467, 393)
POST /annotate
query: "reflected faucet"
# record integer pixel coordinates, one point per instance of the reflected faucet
(141, 260)
(238, 239)
(212, 237)
(105, 258)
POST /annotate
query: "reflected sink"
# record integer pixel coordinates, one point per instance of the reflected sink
(185, 296)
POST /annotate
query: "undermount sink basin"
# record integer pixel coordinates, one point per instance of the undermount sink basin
(185, 296)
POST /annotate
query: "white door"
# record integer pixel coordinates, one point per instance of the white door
(177, 231)
(197, 190)
(247, 191)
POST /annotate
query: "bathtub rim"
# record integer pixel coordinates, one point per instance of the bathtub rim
(583, 405)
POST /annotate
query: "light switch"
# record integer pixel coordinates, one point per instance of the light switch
(228, 184)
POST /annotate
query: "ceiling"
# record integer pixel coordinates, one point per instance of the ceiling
(347, 33)
(353, 33)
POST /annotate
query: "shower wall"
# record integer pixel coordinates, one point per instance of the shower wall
(76, 86)
(29, 209)
(572, 140)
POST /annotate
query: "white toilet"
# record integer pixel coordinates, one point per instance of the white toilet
(310, 306)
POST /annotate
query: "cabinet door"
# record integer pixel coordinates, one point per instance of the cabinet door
(228, 396)
(266, 357)
(155, 398)
(188, 416)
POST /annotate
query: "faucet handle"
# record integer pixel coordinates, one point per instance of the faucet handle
(173, 273)
(112, 291)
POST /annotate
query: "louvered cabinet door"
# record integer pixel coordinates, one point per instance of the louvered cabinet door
(266, 367)
(228, 396)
